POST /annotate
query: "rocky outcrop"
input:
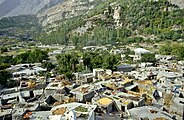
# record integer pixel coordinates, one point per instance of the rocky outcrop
(179, 3)
(49, 11)
(66, 9)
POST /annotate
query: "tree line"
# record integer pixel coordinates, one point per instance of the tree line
(138, 17)
(34, 56)
(71, 62)
(173, 49)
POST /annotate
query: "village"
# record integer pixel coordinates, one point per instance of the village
(91, 60)
(141, 91)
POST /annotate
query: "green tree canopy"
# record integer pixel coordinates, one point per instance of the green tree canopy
(34, 56)
(148, 57)
(173, 49)
(4, 49)
(4, 77)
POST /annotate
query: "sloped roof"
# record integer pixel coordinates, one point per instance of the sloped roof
(141, 50)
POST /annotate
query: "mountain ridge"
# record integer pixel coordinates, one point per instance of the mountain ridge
(11, 8)
(66, 9)
(121, 21)
(49, 11)
(91, 22)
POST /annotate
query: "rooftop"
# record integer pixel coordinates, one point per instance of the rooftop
(105, 101)
(141, 50)
(149, 112)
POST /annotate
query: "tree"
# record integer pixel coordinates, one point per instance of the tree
(74, 61)
(111, 61)
(4, 49)
(4, 66)
(87, 56)
(148, 57)
(68, 64)
(75, 40)
(12, 83)
(21, 58)
(35, 56)
(4, 77)
(48, 65)
(173, 49)
(69, 75)
(180, 53)
(5, 62)
(100, 60)
(6, 59)
(97, 61)
(166, 49)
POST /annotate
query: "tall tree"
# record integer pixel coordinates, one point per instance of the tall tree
(4, 76)
(111, 61)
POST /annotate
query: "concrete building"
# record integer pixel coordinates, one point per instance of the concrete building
(148, 112)
(73, 111)
(97, 73)
(105, 104)
(139, 52)
(84, 93)
(83, 78)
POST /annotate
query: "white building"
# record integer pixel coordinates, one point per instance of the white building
(139, 52)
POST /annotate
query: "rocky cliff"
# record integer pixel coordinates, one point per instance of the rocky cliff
(20, 7)
(49, 11)
(66, 9)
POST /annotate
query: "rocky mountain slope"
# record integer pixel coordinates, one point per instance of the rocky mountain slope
(10, 8)
(49, 11)
(117, 21)
(73, 8)
(86, 22)
(67, 9)
(179, 3)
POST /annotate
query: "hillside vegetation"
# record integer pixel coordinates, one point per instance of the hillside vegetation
(23, 25)
(140, 21)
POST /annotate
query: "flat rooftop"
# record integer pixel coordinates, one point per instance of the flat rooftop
(105, 101)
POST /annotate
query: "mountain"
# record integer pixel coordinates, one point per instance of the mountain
(17, 15)
(92, 22)
(73, 8)
(10, 8)
(67, 9)
(49, 11)
(114, 21)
